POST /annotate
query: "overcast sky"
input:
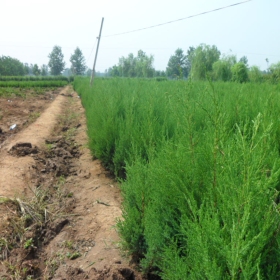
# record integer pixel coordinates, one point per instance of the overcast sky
(30, 29)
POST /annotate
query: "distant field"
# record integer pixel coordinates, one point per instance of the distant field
(29, 84)
(200, 167)
(34, 81)
(34, 78)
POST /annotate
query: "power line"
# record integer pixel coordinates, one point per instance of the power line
(92, 50)
(188, 17)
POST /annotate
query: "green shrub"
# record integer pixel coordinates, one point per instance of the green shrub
(201, 167)
(239, 73)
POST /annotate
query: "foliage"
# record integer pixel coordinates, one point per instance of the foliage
(33, 81)
(77, 60)
(28, 84)
(202, 170)
(239, 72)
(44, 70)
(11, 66)
(56, 62)
(203, 59)
(255, 74)
(244, 60)
(222, 68)
(176, 66)
(274, 70)
(34, 78)
(36, 70)
(139, 66)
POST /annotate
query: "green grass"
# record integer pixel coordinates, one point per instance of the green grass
(200, 167)
(23, 92)
(30, 84)
(34, 78)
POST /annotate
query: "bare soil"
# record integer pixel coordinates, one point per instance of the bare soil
(58, 206)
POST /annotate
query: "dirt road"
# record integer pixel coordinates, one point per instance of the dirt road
(58, 205)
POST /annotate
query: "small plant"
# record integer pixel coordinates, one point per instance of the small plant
(73, 256)
(33, 116)
(28, 243)
(68, 244)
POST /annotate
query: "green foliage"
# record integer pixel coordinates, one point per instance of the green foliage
(202, 61)
(202, 169)
(255, 74)
(177, 65)
(36, 70)
(11, 67)
(77, 60)
(274, 71)
(222, 68)
(239, 73)
(44, 70)
(35, 78)
(32, 81)
(244, 60)
(56, 62)
(139, 66)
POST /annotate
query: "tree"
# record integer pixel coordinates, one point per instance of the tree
(134, 66)
(89, 72)
(44, 70)
(189, 56)
(144, 65)
(78, 65)
(56, 62)
(222, 68)
(176, 66)
(239, 72)
(11, 66)
(255, 74)
(114, 71)
(203, 59)
(274, 71)
(244, 59)
(36, 70)
(26, 69)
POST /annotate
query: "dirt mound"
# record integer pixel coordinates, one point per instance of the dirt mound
(57, 157)
(109, 273)
(23, 149)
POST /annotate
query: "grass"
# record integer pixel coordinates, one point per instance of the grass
(23, 92)
(200, 170)
(34, 78)
(30, 84)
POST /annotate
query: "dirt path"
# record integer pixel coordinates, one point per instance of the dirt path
(14, 172)
(81, 240)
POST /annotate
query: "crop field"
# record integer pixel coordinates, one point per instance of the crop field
(199, 169)
(34, 78)
(30, 84)
(33, 81)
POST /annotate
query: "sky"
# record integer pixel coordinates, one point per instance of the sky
(31, 28)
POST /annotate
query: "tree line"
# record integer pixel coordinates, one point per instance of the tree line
(198, 63)
(13, 67)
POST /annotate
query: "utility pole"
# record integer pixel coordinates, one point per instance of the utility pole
(93, 68)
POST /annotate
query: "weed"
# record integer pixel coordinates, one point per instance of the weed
(33, 116)
(68, 244)
(28, 243)
(73, 256)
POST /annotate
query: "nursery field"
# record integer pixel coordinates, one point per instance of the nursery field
(199, 169)
(33, 81)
